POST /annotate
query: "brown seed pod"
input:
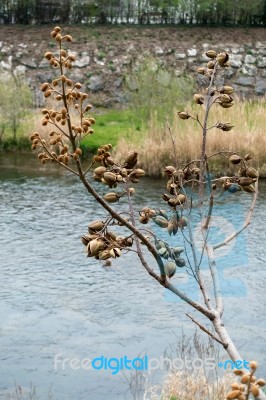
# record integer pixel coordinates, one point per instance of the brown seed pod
(238, 372)
(111, 197)
(115, 253)
(225, 98)
(211, 54)
(201, 71)
(249, 189)
(78, 151)
(245, 378)
(255, 390)
(233, 394)
(222, 58)
(226, 89)
(181, 199)
(198, 98)
(160, 221)
(247, 157)
(96, 226)
(109, 177)
(100, 170)
(211, 64)
(235, 159)
(169, 170)
(261, 382)
(137, 173)
(226, 105)
(243, 181)
(253, 365)
(252, 173)
(183, 115)
(235, 386)
(130, 160)
(104, 255)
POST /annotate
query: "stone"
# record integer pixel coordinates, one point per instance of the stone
(44, 77)
(180, 56)
(260, 45)
(159, 51)
(260, 87)
(205, 46)
(23, 45)
(29, 63)
(235, 60)
(204, 58)
(192, 52)
(261, 62)
(118, 82)
(245, 81)
(229, 72)
(82, 61)
(131, 48)
(20, 70)
(96, 83)
(250, 70)
(43, 64)
(237, 50)
(262, 52)
(5, 65)
(249, 59)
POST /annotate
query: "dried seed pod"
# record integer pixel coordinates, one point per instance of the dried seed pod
(96, 226)
(226, 90)
(104, 255)
(222, 58)
(100, 170)
(131, 160)
(226, 105)
(251, 172)
(198, 98)
(225, 98)
(233, 394)
(261, 382)
(137, 173)
(235, 386)
(245, 378)
(160, 221)
(238, 372)
(109, 177)
(249, 189)
(235, 159)
(181, 198)
(170, 228)
(211, 64)
(170, 269)
(243, 181)
(242, 396)
(111, 197)
(255, 390)
(225, 127)
(115, 253)
(169, 170)
(253, 365)
(143, 219)
(183, 115)
(247, 157)
(211, 54)
(201, 71)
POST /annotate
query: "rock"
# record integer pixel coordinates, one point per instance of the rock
(204, 58)
(96, 83)
(131, 48)
(5, 65)
(192, 52)
(260, 87)
(260, 45)
(23, 45)
(20, 70)
(159, 51)
(1, 44)
(99, 62)
(249, 59)
(237, 50)
(44, 77)
(245, 81)
(229, 72)
(250, 70)
(261, 62)
(118, 82)
(180, 56)
(262, 52)
(82, 61)
(29, 63)
(43, 64)
(235, 60)
(206, 46)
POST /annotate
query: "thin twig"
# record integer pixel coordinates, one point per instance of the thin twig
(207, 331)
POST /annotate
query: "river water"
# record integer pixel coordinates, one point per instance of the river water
(55, 301)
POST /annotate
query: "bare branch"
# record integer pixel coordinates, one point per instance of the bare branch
(207, 331)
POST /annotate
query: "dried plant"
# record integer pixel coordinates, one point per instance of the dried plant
(184, 182)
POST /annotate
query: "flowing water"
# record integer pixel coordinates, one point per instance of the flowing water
(54, 300)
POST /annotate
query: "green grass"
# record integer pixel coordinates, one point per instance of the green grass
(110, 127)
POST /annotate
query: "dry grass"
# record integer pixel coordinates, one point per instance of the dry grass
(248, 136)
(183, 385)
